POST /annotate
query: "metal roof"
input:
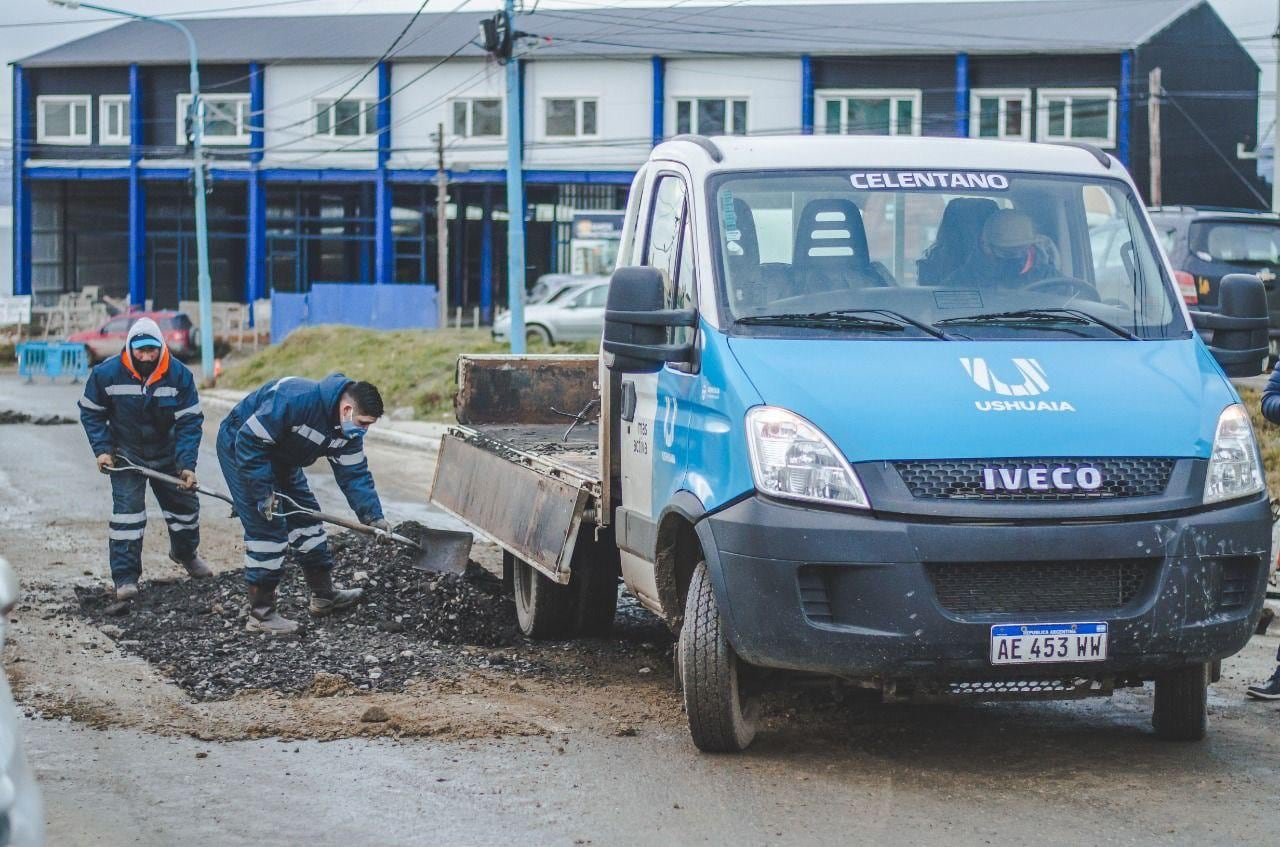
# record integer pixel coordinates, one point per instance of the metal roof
(1018, 26)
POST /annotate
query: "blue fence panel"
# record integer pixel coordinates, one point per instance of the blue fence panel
(53, 359)
(370, 306)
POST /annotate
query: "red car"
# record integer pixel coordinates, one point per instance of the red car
(108, 339)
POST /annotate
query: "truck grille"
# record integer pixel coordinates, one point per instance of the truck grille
(1025, 587)
(961, 479)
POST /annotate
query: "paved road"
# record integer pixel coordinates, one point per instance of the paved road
(1082, 773)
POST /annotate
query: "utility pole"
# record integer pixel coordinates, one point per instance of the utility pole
(442, 231)
(1154, 92)
(204, 285)
(515, 187)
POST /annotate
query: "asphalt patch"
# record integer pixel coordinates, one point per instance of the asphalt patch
(10, 417)
(410, 626)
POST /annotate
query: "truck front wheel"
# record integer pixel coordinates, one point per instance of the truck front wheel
(544, 609)
(721, 716)
(1182, 703)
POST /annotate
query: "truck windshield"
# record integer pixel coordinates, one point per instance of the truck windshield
(939, 254)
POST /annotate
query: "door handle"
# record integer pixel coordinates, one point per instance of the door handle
(628, 401)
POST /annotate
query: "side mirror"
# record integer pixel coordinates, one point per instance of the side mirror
(1238, 337)
(636, 323)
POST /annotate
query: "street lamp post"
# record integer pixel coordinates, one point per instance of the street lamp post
(196, 112)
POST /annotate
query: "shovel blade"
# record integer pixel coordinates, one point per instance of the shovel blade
(443, 551)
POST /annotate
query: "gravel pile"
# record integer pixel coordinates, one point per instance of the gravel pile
(10, 417)
(411, 625)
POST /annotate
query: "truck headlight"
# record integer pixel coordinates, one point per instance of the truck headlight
(1235, 469)
(790, 457)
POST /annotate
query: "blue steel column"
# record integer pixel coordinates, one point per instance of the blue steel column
(255, 281)
(486, 256)
(806, 95)
(137, 194)
(383, 260)
(962, 95)
(1122, 107)
(659, 99)
(21, 188)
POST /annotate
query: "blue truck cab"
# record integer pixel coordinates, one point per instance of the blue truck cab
(874, 409)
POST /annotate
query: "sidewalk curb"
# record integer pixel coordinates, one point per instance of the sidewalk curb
(224, 400)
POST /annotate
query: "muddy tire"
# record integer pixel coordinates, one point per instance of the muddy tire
(544, 609)
(721, 718)
(1182, 704)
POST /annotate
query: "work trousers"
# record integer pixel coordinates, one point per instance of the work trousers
(267, 541)
(181, 510)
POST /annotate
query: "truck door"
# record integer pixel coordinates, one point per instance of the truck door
(654, 409)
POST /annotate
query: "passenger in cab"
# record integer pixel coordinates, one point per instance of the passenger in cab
(1010, 255)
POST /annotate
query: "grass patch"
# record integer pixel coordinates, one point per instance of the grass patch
(414, 368)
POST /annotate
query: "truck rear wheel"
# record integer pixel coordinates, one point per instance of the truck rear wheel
(1182, 703)
(721, 717)
(544, 609)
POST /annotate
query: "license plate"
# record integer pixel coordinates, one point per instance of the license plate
(1048, 643)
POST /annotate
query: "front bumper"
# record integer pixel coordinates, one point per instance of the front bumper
(855, 595)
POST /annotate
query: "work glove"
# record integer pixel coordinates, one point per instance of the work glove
(106, 461)
(188, 480)
(268, 506)
(382, 524)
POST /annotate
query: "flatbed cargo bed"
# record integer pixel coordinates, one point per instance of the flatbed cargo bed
(516, 467)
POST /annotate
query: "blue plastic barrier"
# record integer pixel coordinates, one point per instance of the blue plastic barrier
(371, 306)
(53, 359)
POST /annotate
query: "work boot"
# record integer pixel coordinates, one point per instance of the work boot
(127, 590)
(263, 616)
(1269, 690)
(325, 599)
(195, 566)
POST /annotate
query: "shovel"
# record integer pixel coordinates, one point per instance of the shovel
(448, 551)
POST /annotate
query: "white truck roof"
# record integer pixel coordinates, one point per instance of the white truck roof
(844, 151)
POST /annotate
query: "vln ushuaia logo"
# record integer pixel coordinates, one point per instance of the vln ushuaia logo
(1034, 383)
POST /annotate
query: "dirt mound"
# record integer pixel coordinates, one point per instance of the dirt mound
(410, 626)
(10, 417)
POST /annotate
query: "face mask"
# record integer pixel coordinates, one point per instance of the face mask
(145, 369)
(351, 429)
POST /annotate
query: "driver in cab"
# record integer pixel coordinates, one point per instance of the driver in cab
(1008, 256)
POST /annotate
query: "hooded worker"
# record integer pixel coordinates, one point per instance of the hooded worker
(1009, 255)
(141, 407)
(263, 445)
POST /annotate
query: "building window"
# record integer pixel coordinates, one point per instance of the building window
(346, 118)
(226, 118)
(1077, 114)
(62, 119)
(113, 119)
(711, 116)
(569, 118)
(477, 118)
(862, 112)
(1000, 113)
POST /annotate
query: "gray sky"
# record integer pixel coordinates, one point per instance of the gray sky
(28, 26)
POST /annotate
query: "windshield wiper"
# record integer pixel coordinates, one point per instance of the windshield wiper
(849, 318)
(1035, 316)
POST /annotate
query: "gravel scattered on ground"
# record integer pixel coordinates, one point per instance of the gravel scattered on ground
(8, 416)
(410, 625)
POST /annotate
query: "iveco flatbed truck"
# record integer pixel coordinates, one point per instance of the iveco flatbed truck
(926, 416)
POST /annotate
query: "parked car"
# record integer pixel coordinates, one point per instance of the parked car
(1206, 244)
(108, 339)
(577, 315)
(551, 287)
(21, 809)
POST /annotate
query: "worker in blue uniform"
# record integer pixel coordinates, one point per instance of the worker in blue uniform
(142, 406)
(263, 445)
(1270, 688)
